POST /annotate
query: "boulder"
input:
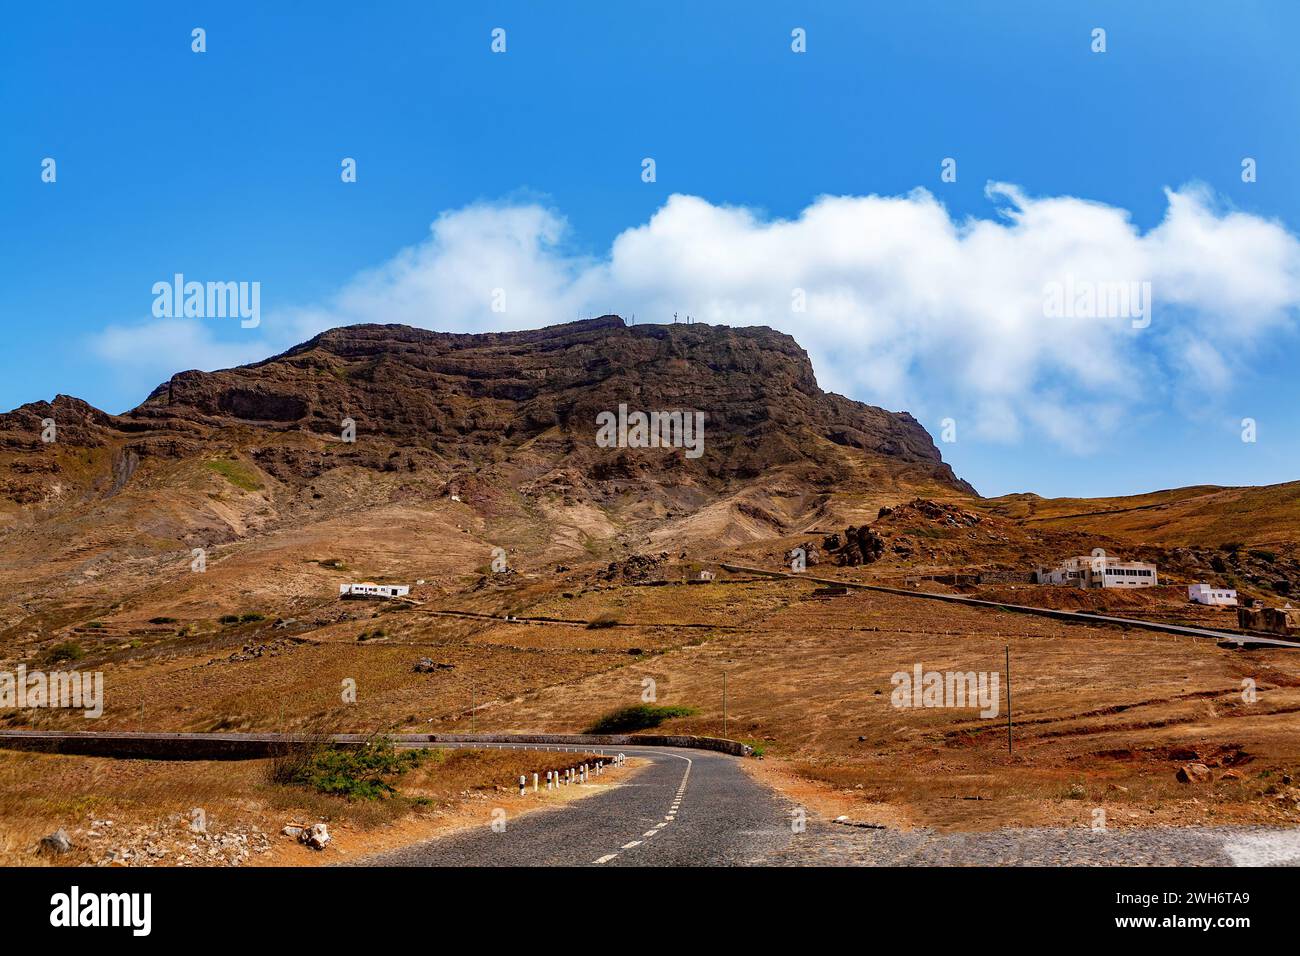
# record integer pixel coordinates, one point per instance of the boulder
(861, 546)
(316, 836)
(56, 842)
(1193, 773)
(812, 555)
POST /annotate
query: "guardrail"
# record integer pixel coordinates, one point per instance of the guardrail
(183, 746)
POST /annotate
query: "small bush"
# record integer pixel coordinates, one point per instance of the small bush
(602, 621)
(228, 619)
(162, 620)
(362, 773)
(59, 653)
(251, 616)
(374, 635)
(639, 717)
(96, 624)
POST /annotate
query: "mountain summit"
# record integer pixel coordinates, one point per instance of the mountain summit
(363, 416)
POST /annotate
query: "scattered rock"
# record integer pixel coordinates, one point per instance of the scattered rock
(637, 567)
(811, 554)
(1193, 773)
(861, 546)
(427, 665)
(316, 836)
(56, 842)
(251, 652)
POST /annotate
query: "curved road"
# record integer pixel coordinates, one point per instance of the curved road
(699, 808)
(686, 808)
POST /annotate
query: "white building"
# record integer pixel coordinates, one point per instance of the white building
(1204, 594)
(367, 590)
(1100, 571)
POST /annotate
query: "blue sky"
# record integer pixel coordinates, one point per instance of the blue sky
(225, 166)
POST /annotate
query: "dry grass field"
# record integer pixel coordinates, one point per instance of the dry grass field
(142, 812)
(1102, 717)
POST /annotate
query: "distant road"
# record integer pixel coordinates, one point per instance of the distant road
(1074, 616)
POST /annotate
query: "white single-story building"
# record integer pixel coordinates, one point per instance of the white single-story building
(1205, 594)
(367, 590)
(1100, 571)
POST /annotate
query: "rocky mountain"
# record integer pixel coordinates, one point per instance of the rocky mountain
(446, 401)
(446, 444)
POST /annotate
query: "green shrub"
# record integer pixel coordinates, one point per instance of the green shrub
(162, 620)
(65, 651)
(360, 773)
(638, 717)
(602, 621)
(251, 616)
(228, 619)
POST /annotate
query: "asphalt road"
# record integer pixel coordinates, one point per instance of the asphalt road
(687, 808)
(698, 808)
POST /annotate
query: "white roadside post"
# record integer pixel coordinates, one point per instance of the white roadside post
(534, 783)
(523, 782)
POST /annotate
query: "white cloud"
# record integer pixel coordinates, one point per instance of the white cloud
(174, 345)
(906, 306)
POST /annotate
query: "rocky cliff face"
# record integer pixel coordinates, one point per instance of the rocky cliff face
(461, 396)
(523, 403)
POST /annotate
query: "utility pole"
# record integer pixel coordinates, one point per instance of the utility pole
(1008, 650)
(724, 703)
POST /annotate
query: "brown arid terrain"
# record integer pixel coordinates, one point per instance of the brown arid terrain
(230, 813)
(192, 551)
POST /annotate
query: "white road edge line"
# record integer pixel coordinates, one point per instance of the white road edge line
(607, 857)
(628, 846)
